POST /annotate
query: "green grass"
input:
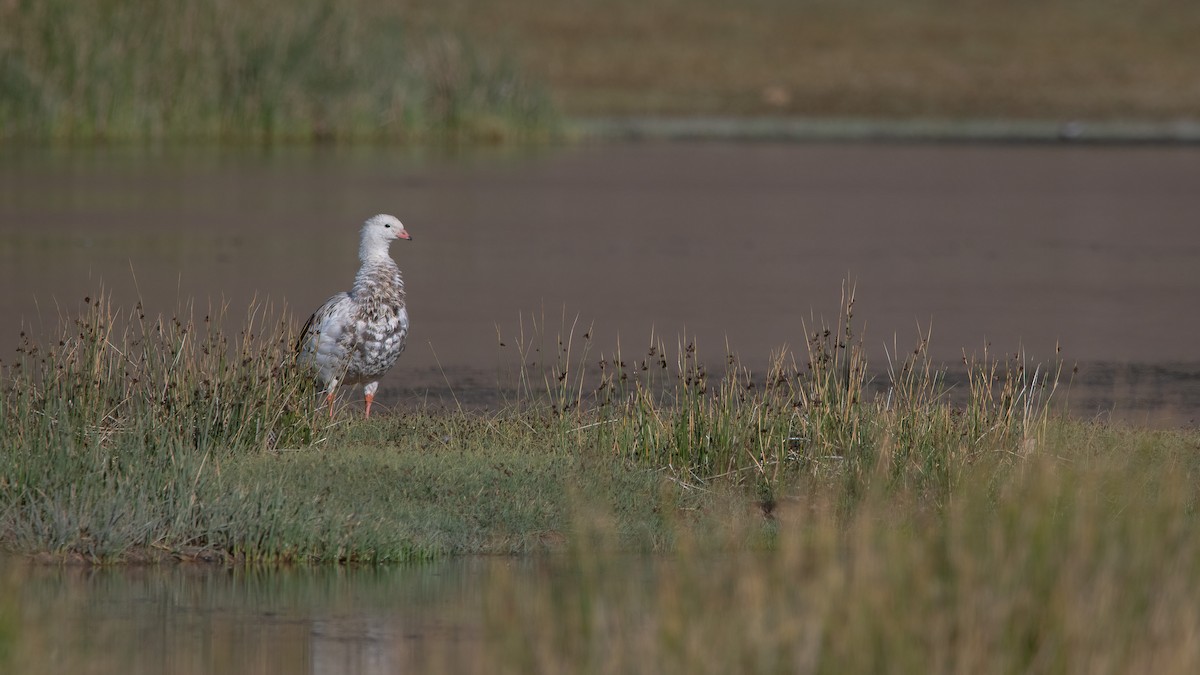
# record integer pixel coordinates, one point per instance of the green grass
(259, 70)
(128, 438)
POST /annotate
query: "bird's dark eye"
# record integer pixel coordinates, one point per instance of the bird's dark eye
(387, 224)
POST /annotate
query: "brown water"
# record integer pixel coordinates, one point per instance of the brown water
(1093, 248)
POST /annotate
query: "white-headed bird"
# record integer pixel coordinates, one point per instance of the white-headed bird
(355, 337)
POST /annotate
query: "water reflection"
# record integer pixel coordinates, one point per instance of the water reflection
(208, 620)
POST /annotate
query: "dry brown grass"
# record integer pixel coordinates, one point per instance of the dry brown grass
(1059, 59)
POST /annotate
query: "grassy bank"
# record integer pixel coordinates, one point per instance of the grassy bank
(1081, 558)
(800, 520)
(128, 437)
(251, 71)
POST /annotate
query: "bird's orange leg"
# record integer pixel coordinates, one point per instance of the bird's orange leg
(329, 400)
(370, 397)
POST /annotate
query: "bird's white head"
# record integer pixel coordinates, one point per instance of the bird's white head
(378, 232)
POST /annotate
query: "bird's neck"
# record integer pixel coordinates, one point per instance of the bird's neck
(373, 250)
(378, 275)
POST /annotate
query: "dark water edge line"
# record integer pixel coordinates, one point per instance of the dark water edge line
(634, 128)
(1153, 395)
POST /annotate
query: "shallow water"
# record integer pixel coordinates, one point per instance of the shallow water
(1094, 248)
(201, 619)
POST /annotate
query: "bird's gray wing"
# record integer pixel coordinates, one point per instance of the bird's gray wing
(322, 331)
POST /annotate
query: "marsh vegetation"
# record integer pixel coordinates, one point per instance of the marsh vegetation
(808, 518)
(127, 435)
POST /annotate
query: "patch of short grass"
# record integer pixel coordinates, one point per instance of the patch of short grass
(425, 493)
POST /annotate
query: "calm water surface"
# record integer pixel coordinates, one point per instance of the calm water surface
(1093, 248)
(200, 619)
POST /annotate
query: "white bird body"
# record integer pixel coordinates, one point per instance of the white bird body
(356, 337)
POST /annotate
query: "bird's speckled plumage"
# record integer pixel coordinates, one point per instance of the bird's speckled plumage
(356, 337)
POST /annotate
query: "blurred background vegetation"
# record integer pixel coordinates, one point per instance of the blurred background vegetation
(258, 69)
(1047, 59)
(421, 69)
